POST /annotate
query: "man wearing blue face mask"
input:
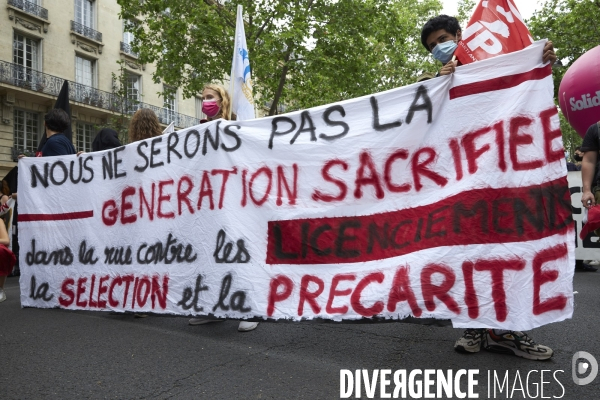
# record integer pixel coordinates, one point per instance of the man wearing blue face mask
(440, 36)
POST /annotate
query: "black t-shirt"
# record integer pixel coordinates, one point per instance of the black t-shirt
(591, 142)
(58, 145)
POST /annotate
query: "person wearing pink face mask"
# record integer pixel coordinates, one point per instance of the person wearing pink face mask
(216, 104)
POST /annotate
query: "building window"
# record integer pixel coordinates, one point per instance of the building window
(32, 7)
(127, 36)
(25, 51)
(127, 41)
(170, 103)
(84, 13)
(26, 131)
(26, 57)
(85, 71)
(85, 136)
(133, 90)
(84, 79)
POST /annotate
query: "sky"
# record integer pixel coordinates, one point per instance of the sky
(525, 7)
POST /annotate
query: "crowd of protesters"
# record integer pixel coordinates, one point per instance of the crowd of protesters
(439, 36)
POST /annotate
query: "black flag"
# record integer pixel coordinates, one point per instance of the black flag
(62, 102)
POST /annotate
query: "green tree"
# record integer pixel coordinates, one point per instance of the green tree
(122, 106)
(303, 52)
(572, 25)
(571, 139)
(465, 11)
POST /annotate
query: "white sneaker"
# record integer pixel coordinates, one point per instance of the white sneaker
(592, 262)
(2, 295)
(246, 326)
(202, 321)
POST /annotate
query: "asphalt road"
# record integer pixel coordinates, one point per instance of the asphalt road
(73, 355)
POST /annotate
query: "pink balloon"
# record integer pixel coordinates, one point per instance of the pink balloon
(579, 92)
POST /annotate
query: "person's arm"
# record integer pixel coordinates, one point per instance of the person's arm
(4, 207)
(3, 234)
(588, 169)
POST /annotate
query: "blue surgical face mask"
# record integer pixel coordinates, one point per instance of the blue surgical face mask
(444, 51)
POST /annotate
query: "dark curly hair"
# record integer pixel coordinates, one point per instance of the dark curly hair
(144, 125)
(57, 120)
(445, 22)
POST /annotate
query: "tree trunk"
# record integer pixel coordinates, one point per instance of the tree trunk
(282, 79)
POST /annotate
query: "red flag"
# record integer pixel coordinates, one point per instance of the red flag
(591, 223)
(495, 28)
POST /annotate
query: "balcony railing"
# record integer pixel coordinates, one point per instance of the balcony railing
(126, 48)
(86, 31)
(30, 8)
(30, 79)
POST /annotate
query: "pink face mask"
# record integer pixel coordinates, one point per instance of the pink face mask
(210, 108)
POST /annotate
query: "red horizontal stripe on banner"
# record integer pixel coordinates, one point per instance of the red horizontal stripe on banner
(55, 217)
(503, 82)
(480, 216)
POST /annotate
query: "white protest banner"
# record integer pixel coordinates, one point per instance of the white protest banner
(445, 199)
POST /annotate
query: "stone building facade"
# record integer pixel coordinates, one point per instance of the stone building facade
(43, 43)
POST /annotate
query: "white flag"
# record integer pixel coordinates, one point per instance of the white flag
(240, 88)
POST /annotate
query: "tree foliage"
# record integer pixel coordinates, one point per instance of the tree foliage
(303, 53)
(572, 25)
(465, 11)
(119, 120)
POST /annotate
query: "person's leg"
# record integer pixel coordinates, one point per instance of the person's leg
(2, 295)
(246, 326)
(470, 341)
(585, 266)
(202, 321)
(517, 343)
